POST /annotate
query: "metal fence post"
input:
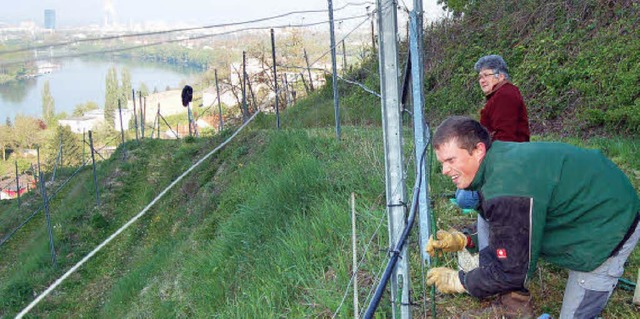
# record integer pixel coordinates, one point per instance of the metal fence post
(95, 176)
(48, 216)
(124, 150)
(17, 184)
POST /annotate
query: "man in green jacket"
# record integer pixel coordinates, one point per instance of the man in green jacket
(570, 206)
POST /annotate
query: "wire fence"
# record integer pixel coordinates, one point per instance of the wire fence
(160, 127)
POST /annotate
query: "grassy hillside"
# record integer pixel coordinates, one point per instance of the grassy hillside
(574, 61)
(262, 229)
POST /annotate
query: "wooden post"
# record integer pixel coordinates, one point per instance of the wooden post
(253, 97)
(48, 216)
(158, 117)
(373, 36)
(124, 152)
(219, 103)
(17, 183)
(143, 111)
(356, 312)
(306, 58)
(38, 153)
(304, 82)
(245, 112)
(275, 77)
(344, 59)
(84, 142)
(636, 293)
(95, 176)
(189, 119)
(286, 90)
(135, 114)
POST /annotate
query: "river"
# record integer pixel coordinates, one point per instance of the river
(79, 81)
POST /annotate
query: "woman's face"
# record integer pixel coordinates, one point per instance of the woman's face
(488, 79)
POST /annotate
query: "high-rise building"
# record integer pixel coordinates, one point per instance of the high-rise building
(50, 19)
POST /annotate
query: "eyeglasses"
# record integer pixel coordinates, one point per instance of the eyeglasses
(484, 76)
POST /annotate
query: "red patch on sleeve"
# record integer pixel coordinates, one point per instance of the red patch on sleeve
(501, 253)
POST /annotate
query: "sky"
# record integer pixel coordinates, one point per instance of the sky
(191, 12)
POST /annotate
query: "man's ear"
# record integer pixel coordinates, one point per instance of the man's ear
(479, 151)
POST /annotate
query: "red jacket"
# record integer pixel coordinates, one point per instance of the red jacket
(505, 114)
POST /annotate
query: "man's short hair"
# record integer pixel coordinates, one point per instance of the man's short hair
(466, 131)
(492, 62)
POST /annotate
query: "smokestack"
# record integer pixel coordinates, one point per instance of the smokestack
(109, 13)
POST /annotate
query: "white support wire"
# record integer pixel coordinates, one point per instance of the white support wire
(349, 33)
(361, 86)
(382, 218)
(364, 254)
(130, 222)
(135, 218)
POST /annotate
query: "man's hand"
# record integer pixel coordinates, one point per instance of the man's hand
(447, 241)
(445, 279)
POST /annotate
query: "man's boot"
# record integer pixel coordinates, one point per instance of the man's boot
(512, 305)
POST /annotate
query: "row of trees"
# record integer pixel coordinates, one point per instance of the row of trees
(26, 132)
(119, 90)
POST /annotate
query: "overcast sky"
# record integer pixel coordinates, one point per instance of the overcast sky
(194, 12)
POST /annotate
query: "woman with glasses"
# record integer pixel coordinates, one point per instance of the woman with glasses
(504, 114)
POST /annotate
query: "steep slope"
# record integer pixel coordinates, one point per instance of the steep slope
(258, 230)
(574, 62)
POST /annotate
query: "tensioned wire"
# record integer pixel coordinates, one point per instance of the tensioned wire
(177, 40)
(364, 255)
(131, 35)
(49, 198)
(375, 233)
(131, 221)
(53, 286)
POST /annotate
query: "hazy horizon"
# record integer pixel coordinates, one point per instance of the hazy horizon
(70, 13)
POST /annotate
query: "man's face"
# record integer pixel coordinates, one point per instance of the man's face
(458, 164)
(488, 79)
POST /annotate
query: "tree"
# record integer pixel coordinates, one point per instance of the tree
(111, 98)
(27, 132)
(48, 105)
(84, 108)
(126, 87)
(5, 139)
(144, 90)
(71, 148)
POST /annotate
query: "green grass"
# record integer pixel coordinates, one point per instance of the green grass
(261, 230)
(547, 284)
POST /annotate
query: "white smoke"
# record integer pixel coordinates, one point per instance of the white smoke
(109, 13)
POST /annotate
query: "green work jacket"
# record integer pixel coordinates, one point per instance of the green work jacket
(567, 205)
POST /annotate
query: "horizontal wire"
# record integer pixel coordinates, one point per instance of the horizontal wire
(122, 36)
(74, 55)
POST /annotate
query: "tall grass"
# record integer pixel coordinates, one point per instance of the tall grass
(262, 230)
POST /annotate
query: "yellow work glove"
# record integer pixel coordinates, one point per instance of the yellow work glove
(447, 241)
(445, 279)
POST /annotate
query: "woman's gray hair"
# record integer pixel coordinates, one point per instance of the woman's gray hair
(492, 62)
